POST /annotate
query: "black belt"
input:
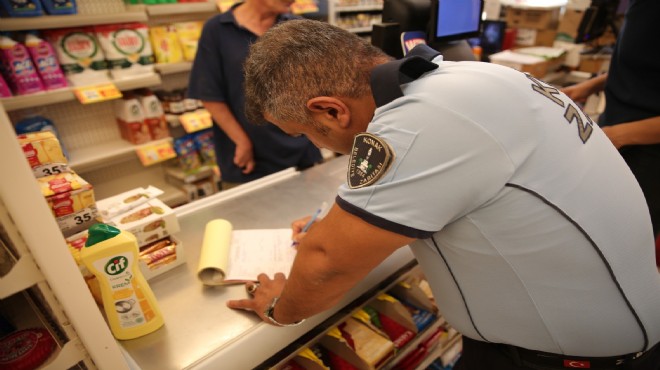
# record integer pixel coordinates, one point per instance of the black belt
(543, 360)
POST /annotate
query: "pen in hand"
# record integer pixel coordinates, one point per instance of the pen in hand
(309, 223)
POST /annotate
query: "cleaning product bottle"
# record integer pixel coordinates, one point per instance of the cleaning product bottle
(45, 59)
(130, 305)
(19, 69)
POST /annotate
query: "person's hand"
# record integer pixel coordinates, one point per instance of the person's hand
(244, 157)
(578, 93)
(297, 229)
(260, 294)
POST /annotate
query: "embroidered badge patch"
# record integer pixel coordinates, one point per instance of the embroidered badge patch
(371, 157)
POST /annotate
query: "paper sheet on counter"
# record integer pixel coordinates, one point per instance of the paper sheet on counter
(234, 256)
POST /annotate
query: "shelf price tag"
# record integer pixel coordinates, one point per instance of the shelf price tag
(196, 121)
(155, 152)
(97, 93)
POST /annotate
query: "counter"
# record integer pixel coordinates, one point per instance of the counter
(200, 332)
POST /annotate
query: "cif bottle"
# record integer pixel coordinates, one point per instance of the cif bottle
(129, 304)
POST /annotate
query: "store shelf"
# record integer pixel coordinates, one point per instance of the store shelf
(73, 20)
(171, 68)
(65, 358)
(99, 155)
(359, 8)
(188, 8)
(23, 275)
(413, 345)
(66, 94)
(445, 351)
(360, 29)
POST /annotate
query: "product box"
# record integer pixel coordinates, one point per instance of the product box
(71, 199)
(534, 65)
(154, 116)
(130, 119)
(161, 256)
(366, 349)
(533, 37)
(44, 153)
(121, 203)
(149, 222)
(569, 24)
(594, 63)
(536, 18)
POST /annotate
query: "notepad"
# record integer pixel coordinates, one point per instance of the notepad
(235, 256)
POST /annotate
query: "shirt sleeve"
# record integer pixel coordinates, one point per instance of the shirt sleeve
(444, 166)
(207, 78)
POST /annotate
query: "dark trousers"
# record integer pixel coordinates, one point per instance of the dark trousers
(479, 355)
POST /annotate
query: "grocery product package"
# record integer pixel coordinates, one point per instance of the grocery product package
(130, 118)
(149, 222)
(18, 68)
(80, 55)
(165, 44)
(189, 34)
(43, 153)
(58, 7)
(127, 49)
(154, 116)
(21, 8)
(38, 123)
(45, 59)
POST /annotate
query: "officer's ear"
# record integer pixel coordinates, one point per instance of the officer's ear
(329, 109)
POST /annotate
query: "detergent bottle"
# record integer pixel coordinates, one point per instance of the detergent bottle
(129, 304)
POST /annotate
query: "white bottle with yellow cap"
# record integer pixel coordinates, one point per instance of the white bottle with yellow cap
(130, 305)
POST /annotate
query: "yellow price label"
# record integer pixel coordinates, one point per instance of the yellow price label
(155, 152)
(196, 121)
(97, 93)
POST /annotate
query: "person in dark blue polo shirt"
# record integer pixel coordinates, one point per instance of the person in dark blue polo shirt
(632, 114)
(244, 151)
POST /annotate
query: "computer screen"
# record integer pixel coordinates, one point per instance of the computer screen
(410, 15)
(455, 19)
(597, 17)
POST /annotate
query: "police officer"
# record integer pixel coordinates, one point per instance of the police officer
(530, 228)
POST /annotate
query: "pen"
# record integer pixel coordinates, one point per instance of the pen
(312, 220)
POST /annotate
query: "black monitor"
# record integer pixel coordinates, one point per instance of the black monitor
(455, 20)
(447, 24)
(597, 17)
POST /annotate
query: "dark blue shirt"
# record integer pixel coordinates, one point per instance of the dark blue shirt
(217, 76)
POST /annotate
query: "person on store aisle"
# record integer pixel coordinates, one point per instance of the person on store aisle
(244, 151)
(632, 99)
(527, 223)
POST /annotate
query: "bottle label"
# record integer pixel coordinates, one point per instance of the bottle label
(126, 295)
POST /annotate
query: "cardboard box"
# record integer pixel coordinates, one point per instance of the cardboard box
(594, 64)
(536, 18)
(71, 199)
(43, 153)
(154, 262)
(534, 65)
(372, 350)
(149, 222)
(568, 25)
(124, 202)
(533, 37)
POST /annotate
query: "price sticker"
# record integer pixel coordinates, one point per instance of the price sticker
(97, 93)
(155, 152)
(196, 121)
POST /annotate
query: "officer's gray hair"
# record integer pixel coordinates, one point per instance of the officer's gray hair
(301, 59)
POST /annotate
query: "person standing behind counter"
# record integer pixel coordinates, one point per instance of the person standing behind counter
(632, 99)
(244, 151)
(526, 221)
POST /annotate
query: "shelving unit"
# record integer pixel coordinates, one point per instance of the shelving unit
(73, 20)
(347, 14)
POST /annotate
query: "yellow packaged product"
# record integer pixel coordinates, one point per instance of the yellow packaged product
(71, 200)
(165, 44)
(189, 34)
(43, 153)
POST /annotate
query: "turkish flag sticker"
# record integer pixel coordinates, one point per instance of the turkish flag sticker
(574, 364)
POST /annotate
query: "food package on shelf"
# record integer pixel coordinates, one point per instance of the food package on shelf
(43, 153)
(130, 118)
(127, 49)
(161, 256)
(359, 345)
(71, 199)
(189, 34)
(165, 44)
(149, 222)
(80, 55)
(154, 115)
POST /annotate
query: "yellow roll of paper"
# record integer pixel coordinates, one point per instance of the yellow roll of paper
(214, 256)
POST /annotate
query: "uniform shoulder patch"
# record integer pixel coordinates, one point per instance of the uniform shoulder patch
(371, 157)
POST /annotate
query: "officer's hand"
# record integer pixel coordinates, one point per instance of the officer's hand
(260, 297)
(297, 229)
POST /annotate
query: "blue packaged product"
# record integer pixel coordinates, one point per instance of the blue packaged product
(36, 124)
(22, 8)
(58, 7)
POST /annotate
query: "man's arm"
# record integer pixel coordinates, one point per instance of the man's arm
(336, 254)
(224, 118)
(643, 132)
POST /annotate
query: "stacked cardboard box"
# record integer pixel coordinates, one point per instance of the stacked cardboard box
(534, 26)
